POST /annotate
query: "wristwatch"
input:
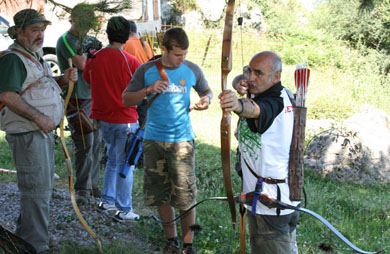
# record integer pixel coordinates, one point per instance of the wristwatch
(208, 95)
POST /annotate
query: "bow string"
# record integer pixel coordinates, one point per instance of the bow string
(70, 170)
(273, 203)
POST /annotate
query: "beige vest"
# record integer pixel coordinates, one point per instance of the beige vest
(44, 96)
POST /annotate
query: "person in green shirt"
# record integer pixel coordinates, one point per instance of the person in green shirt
(87, 145)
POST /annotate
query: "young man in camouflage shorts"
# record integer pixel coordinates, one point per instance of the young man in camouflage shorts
(169, 156)
(180, 189)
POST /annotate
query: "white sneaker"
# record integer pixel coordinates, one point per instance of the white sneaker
(122, 216)
(102, 207)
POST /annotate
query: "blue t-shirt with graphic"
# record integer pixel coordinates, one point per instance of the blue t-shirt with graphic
(168, 116)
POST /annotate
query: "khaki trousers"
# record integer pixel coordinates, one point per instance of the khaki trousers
(33, 155)
(273, 234)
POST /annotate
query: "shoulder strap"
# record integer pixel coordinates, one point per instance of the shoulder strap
(127, 62)
(21, 93)
(34, 61)
(67, 44)
(2, 53)
(291, 97)
(161, 70)
(164, 77)
(30, 85)
(27, 56)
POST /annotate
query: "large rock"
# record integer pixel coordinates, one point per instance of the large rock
(357, 150)
(252, 18)
(192, 20)
(166, 10)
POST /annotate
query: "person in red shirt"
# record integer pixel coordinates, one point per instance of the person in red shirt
(108, 73)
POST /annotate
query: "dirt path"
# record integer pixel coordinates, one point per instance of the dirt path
(65, 227)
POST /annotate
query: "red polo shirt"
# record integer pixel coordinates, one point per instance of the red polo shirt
(109, 73)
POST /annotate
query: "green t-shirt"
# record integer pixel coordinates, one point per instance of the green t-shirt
(63, 54)
(12, 73)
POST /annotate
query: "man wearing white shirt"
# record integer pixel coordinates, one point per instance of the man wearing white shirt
(264, 135)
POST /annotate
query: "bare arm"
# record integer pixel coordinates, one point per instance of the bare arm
(205, 100)
(19, 106)
(79, 61)
(243, 107)
(131, 98)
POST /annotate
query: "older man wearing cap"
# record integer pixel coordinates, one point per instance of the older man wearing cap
(33, 109)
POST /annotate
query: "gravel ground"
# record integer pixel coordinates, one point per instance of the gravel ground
(64, 225)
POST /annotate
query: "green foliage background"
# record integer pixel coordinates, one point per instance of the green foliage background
(365, 30)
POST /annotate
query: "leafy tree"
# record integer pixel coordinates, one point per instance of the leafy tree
(278, 14)
(367, 4)
(183, 5)
(105, 6)
(370, 29)
(86, 14)
(364, 29)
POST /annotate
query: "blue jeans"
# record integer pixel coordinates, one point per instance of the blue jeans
(117, 190)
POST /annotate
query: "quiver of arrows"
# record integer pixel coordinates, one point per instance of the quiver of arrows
(296, 172)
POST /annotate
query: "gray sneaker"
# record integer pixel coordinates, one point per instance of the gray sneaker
(171, 248)
(123, 217)
(104, 207)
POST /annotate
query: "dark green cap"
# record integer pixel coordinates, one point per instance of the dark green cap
(28, 17)
(24, 18)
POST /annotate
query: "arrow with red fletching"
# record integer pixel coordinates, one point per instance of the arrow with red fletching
(301, 77)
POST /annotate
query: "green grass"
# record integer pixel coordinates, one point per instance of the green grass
(6, 161)
(361, 213)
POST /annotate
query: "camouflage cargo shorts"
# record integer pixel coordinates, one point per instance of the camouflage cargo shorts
(169, 173)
